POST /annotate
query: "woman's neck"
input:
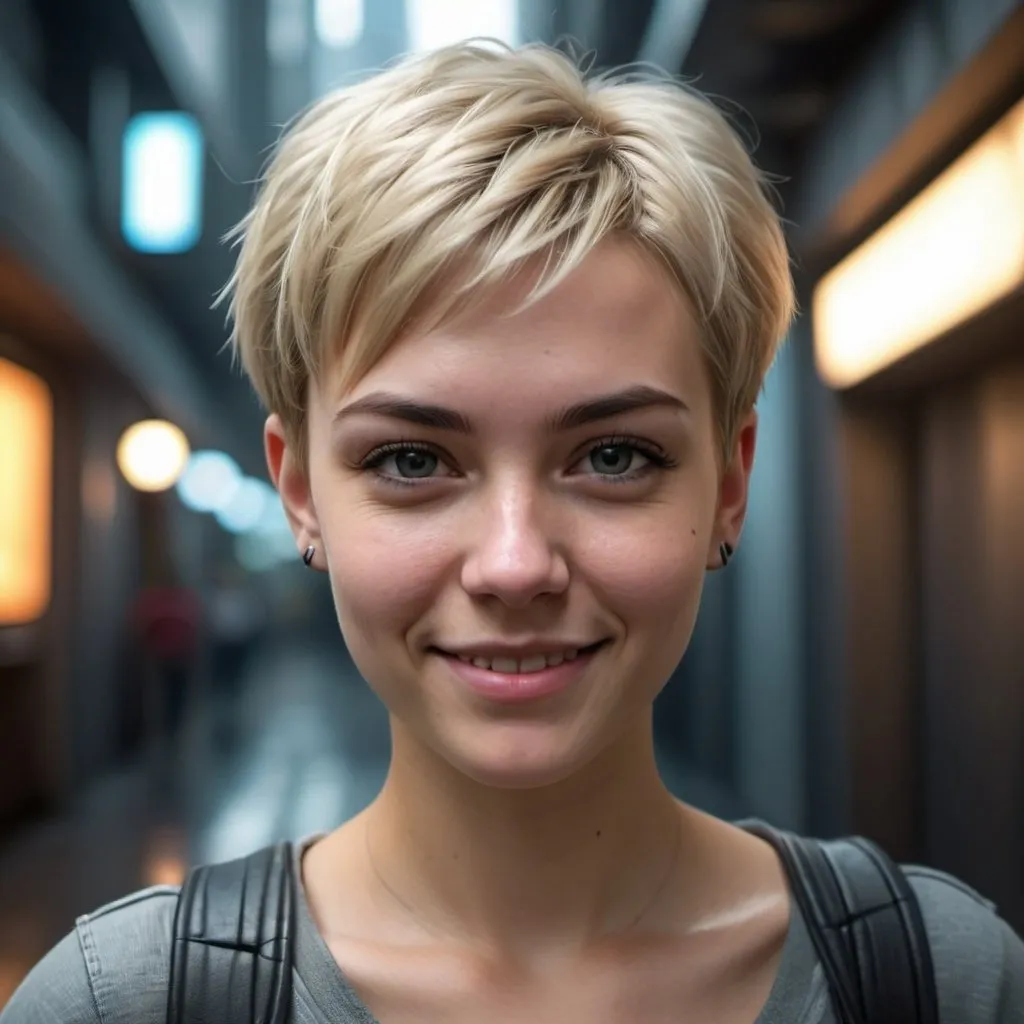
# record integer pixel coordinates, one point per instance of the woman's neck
(522, 873)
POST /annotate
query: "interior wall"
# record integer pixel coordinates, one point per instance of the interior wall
(62, 678)
(972, 527)
(109, 570)
(858, 643)
(882, 698)
(767, 634)
(34, 712)
(821, 570)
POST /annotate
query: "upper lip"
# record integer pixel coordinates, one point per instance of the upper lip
(517, 651)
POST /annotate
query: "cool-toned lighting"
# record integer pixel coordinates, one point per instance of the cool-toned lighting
(435, 23)
(339, 23)
(161, 206)
(26, 471)
(209, 482)
(951, 252)
(152, 455)
(287, 31)
(274, 520)
(259, 552)
(269, 542)
(247, 506)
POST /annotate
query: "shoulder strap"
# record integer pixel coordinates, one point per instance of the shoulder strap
(866, 925)
(231, 959)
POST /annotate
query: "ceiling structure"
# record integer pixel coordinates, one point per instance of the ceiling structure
(783, 64)
(778, 64)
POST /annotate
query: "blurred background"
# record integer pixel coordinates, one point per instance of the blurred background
(172, 684)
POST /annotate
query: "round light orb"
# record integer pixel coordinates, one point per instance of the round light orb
(209, 482)
(152, 455)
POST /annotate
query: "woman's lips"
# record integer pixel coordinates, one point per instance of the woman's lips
(518, 687)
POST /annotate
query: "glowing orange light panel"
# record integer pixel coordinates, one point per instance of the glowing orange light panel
(26, 494)
(948, 254)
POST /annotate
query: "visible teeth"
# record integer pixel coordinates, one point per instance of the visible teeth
(534, 664)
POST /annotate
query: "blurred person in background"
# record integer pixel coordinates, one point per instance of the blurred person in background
(510, 324)
(167, 620)
(235, 618)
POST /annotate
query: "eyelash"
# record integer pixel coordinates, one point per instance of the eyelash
(657, 459)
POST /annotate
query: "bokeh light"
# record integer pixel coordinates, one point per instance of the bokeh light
(152, 455)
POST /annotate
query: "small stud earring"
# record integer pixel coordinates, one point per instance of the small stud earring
(307, 555)
(725, 551)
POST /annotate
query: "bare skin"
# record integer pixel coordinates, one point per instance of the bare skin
(525, 862)
(700, 955)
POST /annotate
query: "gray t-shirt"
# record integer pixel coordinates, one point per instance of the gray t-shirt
(113, 968)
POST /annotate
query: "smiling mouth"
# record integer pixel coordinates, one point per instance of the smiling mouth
(527, 665)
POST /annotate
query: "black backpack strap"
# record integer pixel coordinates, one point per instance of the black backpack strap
(231, 959)
(866, 925)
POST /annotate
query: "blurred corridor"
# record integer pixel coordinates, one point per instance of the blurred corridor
(169, 681)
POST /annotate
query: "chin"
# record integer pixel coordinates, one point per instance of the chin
(517, 761)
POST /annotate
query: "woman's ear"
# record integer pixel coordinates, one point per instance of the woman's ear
(733, 492)
(292, 483)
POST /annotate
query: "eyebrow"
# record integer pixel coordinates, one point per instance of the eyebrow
(591, 410)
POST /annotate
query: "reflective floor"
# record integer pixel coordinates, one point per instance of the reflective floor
(300, 745)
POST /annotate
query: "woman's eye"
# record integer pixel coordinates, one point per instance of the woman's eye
(616, 459)
(409, 464)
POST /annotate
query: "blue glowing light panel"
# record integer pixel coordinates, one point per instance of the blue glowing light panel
(162, 186)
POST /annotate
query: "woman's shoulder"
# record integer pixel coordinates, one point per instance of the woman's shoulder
(978, 958)
(113, 967)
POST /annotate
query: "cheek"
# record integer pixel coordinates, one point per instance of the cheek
(385, 569)
(648, 574)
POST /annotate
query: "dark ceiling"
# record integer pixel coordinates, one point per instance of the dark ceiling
(783, 63)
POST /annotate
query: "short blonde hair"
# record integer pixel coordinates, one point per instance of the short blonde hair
(484, 157)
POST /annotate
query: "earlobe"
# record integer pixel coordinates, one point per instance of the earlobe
(292, 483)
(733, 492)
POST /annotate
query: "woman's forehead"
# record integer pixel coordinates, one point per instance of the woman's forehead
(618, 319)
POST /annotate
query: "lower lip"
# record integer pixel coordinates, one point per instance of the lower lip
(516, 688)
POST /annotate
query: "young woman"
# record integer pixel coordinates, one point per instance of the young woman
(510, 324)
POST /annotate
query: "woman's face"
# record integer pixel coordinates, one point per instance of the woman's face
(518, 487)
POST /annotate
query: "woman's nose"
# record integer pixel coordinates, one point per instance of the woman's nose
(513, 555)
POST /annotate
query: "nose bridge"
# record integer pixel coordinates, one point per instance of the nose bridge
(514, 555)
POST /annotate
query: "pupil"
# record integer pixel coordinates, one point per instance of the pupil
(415, 463)
(612, 458)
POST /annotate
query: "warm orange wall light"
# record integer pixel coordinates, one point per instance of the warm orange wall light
(947, 255)
(26, 494)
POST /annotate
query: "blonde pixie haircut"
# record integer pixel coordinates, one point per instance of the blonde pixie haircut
(399, 200)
